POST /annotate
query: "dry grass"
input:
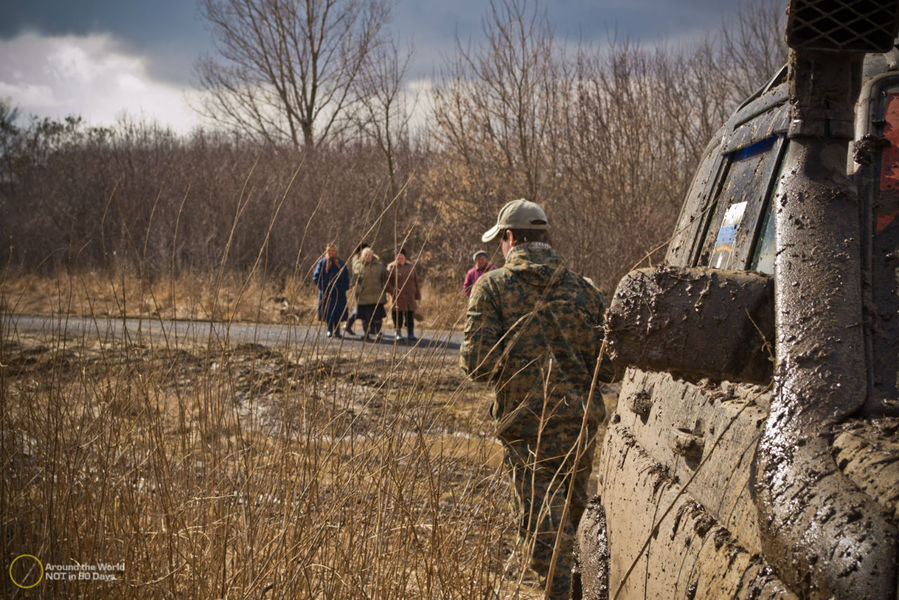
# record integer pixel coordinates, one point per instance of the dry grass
(246, 472)
(240, 471)
(232, 297)
(443, 308)
(243, 472)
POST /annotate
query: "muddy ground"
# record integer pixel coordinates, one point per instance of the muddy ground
(199, 402)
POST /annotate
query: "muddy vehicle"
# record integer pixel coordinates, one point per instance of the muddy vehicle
(754, 452)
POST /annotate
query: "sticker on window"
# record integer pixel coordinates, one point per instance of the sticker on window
(724, 245)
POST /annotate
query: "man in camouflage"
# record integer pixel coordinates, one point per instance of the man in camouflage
(534, 331)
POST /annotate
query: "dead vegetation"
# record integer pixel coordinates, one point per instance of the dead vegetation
(245, 471)
(234, 472)
(192, 297)
(605, 136)
(213, 471)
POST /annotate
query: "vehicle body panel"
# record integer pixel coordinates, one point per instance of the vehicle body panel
(679, 499)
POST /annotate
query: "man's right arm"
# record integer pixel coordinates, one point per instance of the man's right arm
(483, 330)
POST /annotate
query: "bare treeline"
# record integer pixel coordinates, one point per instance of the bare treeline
(605, 136)
(136, 195)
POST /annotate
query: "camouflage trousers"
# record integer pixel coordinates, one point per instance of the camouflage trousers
(540, 478)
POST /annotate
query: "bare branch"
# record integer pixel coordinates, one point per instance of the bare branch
(287, 70)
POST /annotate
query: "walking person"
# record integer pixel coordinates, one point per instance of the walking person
(482, 265)
(534, 332)
(402, 285)
(333, 281)
(354, 258)
(370, 279)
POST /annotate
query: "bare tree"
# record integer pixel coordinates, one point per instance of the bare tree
(385, 107)
(384, 120)
(9, 134)
(752, 46)
(620, 160)
(499, 101)
(9, 114)
(287, 69)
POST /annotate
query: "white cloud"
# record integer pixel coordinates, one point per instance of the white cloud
(91, 76)
(419, 98)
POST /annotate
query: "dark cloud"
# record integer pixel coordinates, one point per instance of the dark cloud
(169, 32)
(141, 21)
(641, 20)
(172, 34)
(434, 24)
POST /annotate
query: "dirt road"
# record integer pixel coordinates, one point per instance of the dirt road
(141, 330)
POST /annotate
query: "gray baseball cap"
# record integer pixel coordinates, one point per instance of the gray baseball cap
(517, 214)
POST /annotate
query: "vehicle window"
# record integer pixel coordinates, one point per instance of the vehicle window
(763, 259)
(885, 254)
(739, 205)
(763, 254)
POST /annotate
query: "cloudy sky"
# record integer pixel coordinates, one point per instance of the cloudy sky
(102, 59)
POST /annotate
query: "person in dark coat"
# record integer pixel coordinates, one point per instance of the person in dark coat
(333, 281)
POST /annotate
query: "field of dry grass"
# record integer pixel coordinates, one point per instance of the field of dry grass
(228, 297)
(243, 471)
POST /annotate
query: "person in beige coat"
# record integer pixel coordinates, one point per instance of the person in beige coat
(354, 314)
(369, 280)
(402, 285)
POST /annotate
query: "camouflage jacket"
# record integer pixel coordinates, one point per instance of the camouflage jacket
(534, 331)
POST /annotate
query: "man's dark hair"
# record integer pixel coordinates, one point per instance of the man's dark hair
(522, 236)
